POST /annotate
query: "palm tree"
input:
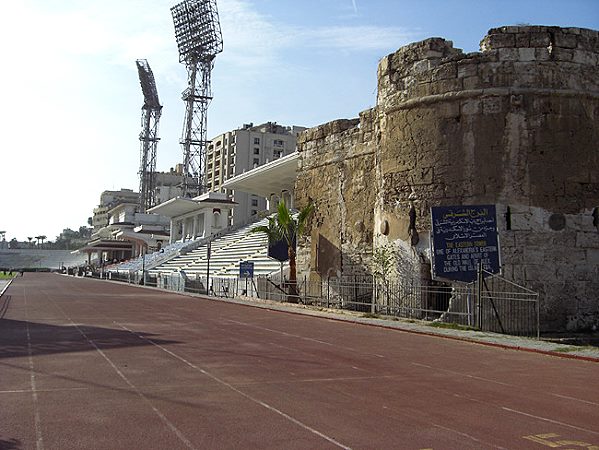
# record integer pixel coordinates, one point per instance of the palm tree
(43, 238)
(29, 239)
(284, 227)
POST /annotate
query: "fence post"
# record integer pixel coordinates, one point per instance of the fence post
(538, 317)
(372, 308)
(305, 289)
(479, 294)
(328, 291)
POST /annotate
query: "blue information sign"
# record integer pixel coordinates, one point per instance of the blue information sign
(246, 269)
(463, 237)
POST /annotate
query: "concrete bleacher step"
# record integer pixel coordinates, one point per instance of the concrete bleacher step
(226, 253)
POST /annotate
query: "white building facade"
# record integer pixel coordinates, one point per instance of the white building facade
(236, 152)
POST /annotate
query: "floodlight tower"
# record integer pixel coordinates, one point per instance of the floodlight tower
(150, 115)
(199, 39)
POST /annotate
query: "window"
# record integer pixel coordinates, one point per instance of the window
(254, 202)
(218, 143)
(256, 162)
(256, 141)
(256, 151)
(278, 143)
(254, 212)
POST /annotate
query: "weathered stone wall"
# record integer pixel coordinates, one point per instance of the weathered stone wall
(514, 125)
(337, 173)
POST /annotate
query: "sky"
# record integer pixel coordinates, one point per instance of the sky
(71, 99)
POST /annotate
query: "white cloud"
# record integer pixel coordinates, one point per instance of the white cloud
(255, 42)
(71, 97)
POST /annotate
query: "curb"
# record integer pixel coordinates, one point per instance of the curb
(6, 287)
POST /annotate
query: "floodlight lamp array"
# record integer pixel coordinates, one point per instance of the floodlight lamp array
(148, 84)
(197, 30)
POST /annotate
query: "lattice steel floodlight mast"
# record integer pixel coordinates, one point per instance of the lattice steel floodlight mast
(199, 38)
(150, 116)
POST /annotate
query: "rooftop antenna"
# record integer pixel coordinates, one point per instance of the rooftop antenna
(150, 115)
(199, 39)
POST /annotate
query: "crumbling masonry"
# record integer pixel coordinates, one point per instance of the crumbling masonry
(514, 125)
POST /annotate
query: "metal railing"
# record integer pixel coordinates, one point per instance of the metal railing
(491, 303)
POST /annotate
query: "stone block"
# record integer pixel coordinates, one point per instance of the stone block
(535, 256)
(542, 54)
(492, 105)
(448, 109)
(565, 40)
(587, 240)
(527, 54)
(540, 39)
(539, 272)
(471, 83)
(562, 54)
(467, 68)
(499, 40)
(523, 40)
(583, 223)
(445, 86)
(471, 106)
(584, 57)
(508, 54)
(445, 71)
(420, 66)
(522, 222)
(383, 67)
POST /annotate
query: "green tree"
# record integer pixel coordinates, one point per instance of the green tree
(283, 226)
(384, 266)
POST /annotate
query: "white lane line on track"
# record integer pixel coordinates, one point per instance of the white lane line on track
(284, 333)
(243, 394)
(461, 374)
(24, 391)
(39, 439)
(319, 380)
(575, 399)
(545, 419)
(162, 417)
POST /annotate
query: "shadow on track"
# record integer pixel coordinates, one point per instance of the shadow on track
(10, 444)
(49, 339)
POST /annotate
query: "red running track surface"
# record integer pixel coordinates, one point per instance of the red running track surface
(87, 364)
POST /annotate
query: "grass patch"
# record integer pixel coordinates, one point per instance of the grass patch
(6, 276)
(370, 316)
(573, 348)
(452, 326)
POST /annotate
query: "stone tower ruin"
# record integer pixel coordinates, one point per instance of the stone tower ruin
(513, 125)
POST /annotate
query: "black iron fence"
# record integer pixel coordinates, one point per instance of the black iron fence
(492, 303)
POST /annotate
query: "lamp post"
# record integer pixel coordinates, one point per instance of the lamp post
(143, 266)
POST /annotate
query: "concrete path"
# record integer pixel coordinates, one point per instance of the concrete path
(87, 364)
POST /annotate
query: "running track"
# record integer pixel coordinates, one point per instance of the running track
(86, 364)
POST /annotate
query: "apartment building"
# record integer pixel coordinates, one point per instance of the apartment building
(235, 152)
(108, 200)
